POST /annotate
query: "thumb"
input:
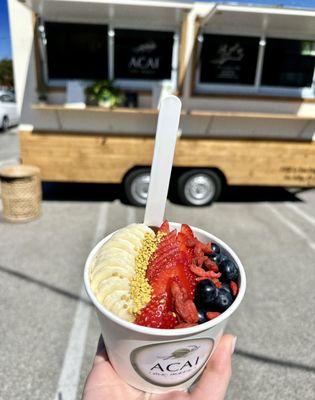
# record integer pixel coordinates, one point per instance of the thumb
(215, 379)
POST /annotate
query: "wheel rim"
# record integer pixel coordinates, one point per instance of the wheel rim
(5, 124)
(139, 188)
(199, 189)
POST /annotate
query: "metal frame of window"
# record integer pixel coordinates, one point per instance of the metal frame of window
(42, 42)
(256, 88)
(43, 54)
(143, 84)
(127, 84)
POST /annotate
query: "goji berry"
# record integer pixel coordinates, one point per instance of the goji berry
(234, 288)
(211, 315)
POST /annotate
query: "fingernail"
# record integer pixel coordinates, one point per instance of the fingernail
(233, 344)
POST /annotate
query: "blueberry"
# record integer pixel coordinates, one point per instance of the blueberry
(215, 248)
(202, 315)
(215, 257)
(206, 292)
(223, 300)
(229, 270)
(226, 287)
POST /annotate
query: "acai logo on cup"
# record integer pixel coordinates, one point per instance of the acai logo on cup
(171, 363)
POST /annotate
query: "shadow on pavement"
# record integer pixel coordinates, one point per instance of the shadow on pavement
(42, 284)
(71, 296)
(275, 361)
(110, 192)
(257, 194)
(81, 191)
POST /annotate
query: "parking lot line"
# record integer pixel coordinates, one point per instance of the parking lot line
(301, 213)
(9, 161)
(291, 226)
(70, 372)
(131, 215)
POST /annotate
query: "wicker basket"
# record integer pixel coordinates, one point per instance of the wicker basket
(21, 193)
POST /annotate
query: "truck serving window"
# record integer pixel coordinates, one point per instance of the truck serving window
(228, 59)
(76, 51)
(143, 55)
(288, 63)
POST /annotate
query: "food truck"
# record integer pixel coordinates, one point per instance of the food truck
(245, 75)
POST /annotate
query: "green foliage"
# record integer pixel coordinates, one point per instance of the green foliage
(6, 73)
(103, 93)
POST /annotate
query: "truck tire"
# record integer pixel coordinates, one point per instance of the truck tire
(199, 187)
(136, 186)
(5, 124)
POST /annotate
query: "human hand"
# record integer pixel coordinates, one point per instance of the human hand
(103, 383)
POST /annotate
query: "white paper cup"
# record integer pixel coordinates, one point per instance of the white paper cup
(160, 360)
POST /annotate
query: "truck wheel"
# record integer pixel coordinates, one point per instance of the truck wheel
(5, 123)
(136, 185)
(199, 187)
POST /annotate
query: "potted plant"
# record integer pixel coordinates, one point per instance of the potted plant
(103, 93)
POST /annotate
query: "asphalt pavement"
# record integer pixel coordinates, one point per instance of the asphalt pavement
(49, 330)
(9, 148)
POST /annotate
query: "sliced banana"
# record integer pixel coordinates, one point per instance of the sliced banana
(116, 300)
(113, 265)
(113, 268)
(133, 239)
(109, 285)
(120, 243)
(112, 272)
(114, 252)
(140, 232)
(124, 314)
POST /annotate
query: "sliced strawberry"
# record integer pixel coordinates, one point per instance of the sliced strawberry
(157, 314)
(161, 252)
(169, 263)
(164, 261)
(165, 227)
(167, 251)
(171, 251)
(167, 239)
(186, 243)
(169, 242)
(181, 239)
(161, 281)
(155, 271)
(186, 230)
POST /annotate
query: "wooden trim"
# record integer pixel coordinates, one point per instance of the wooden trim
(124, 110)
(198, 25)
(259, 97)
(63, 89)
(255, 115)
(107, 158)
(56, 89)
(182, 51)
(154, 111)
